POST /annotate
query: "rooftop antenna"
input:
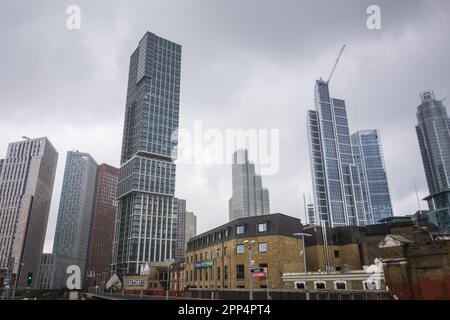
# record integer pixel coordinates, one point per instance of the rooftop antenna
(335, 64)
(306, 210)
(417, 196)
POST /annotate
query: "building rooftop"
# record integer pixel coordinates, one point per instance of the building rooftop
(265, 225)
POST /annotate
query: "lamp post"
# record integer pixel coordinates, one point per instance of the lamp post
(303, 235)
(170, 263)
(212, 274)
(250, 245)
(6, 281)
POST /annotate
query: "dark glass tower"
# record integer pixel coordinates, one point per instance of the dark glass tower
(144, 230)
(434, 140)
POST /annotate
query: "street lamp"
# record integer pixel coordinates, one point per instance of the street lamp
(212, 274)
(250, 245)
(170, 263)
(303, 235)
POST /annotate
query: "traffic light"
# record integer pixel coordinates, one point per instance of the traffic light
(29, 278)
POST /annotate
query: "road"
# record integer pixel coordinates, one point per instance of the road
(118, 296)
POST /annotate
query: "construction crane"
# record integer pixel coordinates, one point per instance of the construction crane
(335, 64)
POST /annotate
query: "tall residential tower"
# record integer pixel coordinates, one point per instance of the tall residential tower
(249, 197)
(336, 179)
(433, 132)
(27, 175)
(144, 224)
(98, 262)
(75, 211)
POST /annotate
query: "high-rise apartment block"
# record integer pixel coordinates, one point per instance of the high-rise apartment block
(144, 224)
(27, 175)
(75, 209)
(99, 258)
(249, 198)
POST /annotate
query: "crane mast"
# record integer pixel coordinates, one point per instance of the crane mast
(335, 64)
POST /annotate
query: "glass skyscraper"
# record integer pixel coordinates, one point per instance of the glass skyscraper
(433, 132)
(336, 179)
(144, 227)
(249, 197)
(369, 158)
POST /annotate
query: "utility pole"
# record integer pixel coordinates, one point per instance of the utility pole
(267, 282)
(212, 274)
(302, 234)
(250, 244)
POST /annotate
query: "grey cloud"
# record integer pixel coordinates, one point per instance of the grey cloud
(246, 64)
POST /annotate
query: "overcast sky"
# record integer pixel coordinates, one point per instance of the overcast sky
(246, 64)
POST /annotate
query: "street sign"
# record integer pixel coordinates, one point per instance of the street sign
(203, 264)
(258, 273)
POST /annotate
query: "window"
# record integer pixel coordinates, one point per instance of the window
(262, 227)
(240, 272)
(320, 285)
(262, 247)
(218, 273)
(299, 285)
(336, 253)
(240, 229)
(240, 249)
(225, 251)
(340, 285)
(225, 272)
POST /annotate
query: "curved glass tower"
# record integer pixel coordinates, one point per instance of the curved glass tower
(434, 140)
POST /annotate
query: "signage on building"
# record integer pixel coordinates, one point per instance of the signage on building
(258, 272)
(135, 283)
(203, 264)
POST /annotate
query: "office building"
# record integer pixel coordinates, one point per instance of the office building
(338, 196)
(370, 160)
(185, 228)
(190, 229)
(99, 258)
(145, 220)
(249, 198)
(179, 227)
(434, 141)
(76, 205)
(27, 175)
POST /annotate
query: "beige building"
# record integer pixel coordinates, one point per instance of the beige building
(220, 258)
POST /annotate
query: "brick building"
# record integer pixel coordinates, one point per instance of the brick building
(417, 269)
(219, 258)
(99, 257)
